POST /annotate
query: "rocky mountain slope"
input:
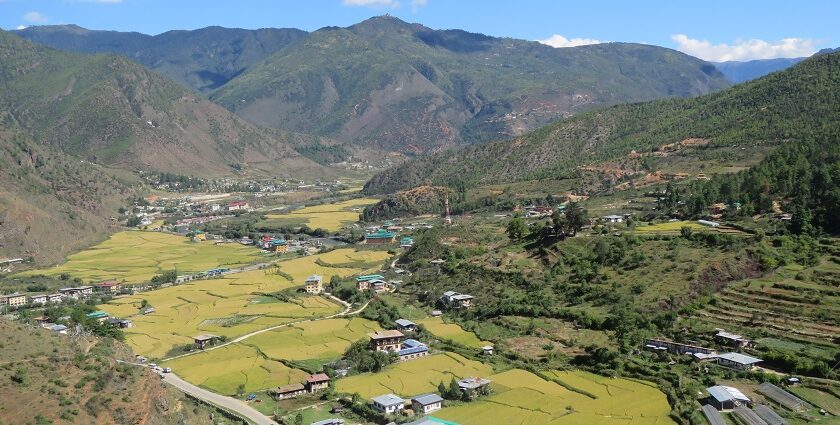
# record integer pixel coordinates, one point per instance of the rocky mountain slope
(202, 59)
(796, 104)
(400, 86)
(112, 111)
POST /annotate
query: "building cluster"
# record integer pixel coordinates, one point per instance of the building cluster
(724, 398)
(388, 234)
(424, 404)
(452, 299)
(375, 283)
(732, 360)
(64, 294)
(312, 384)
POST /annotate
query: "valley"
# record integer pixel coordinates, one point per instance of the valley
(383, 223)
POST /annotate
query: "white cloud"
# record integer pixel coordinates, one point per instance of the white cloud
(417, 4)
(371, 3)
(35, 18)
(557, 40)
(744, 50)
(21, 27)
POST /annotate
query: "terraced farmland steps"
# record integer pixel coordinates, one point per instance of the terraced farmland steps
(344, 313)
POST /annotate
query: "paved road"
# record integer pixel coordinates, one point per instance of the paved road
(229, 403)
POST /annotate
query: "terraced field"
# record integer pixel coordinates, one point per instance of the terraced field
(451, 331)
(797, 307)
(228, 306)
(413, 377)
(674, 227)
(520, 397)
(330, 217)
(255, 362)
(136, 256)
(340, 262)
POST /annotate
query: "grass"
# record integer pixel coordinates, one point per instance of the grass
(330, 217)
(224, 306)
(525, 398)
(821, 399)
(413, 377)
(451, 331)
(674, 227)
(137, 256)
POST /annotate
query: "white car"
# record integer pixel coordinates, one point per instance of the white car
(153, 365)
(167, 370)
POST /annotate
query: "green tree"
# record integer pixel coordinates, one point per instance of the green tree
(576, 218)
(516, 228)
(299, 419)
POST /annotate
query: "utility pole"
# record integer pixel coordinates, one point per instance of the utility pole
(448, 218)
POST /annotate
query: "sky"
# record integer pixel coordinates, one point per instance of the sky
(713, 30)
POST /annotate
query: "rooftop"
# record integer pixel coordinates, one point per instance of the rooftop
(739, 358)
(405, 322)
(318, 377)
(204, 337)
(369, 277)
(430, 420)
(385, 334)
(473, 383)
(290, 388)
(723, 393)
(388, 400)
(727, 335)
(427, 399)
(314, 278)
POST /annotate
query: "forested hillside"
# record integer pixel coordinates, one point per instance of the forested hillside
(791, 106)
(399, 86)
(202, 59)
(109, 110)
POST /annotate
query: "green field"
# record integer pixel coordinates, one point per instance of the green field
(255, 362)
(413, 377)
(136, 256)
(451, 331)
(524, 398)
(674, 227)
(330, 217)
(821, 399)
(226, 306)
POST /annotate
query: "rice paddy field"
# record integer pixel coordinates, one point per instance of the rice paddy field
(340, 262)
(521, 397)
(413, 377)
(330, 217)
(136, 256)
(674, 227)
(223, 370)
(451, 331)
(255, 362)
(228, 306)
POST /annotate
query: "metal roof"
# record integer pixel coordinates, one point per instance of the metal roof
(713, 415)
(388, 400)
(430, 420)
(385, 334)
(739, 358)
(723, 393)
(769, 416)
(427, 399)
(405, 322)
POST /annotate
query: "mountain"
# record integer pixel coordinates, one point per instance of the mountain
(112, 111)
(798, 103)
(739, 72)
(202, 59)
(399, 86)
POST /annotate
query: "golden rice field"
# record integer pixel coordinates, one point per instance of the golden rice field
(303, 267)
(226, 306)
(224, 369)
(521, 397)
(451, 331)
(331, 217)
(414, 377)
(136, 256)
(255, 364)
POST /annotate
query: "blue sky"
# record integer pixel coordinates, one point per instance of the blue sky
(712, 29)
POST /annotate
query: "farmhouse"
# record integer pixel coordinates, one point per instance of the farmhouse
(456, 300)
(13, 300)
(201, 341)
(314, 284)
(99, 316)
(737, 361)
(380, 237)
(473, 384)
(76, 293)
(388, 340)
(406, 242)
(364, 282)
(58, 328)
(110, 287)
(612, 218)
(331, 421)
(487, 350)
(54, 298)
(317, 382)
(412, 349)
(426, 403)
(237, 206)
(388, 403)
(675, 347)
(726, 398)
(38, 299)
(406, 325)
(731, 339)
(288, 391)
(119, 323)
(378, 285)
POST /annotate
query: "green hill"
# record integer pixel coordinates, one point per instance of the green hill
(202, 59)
(788, 106)
(109, 110)
(394, 85)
